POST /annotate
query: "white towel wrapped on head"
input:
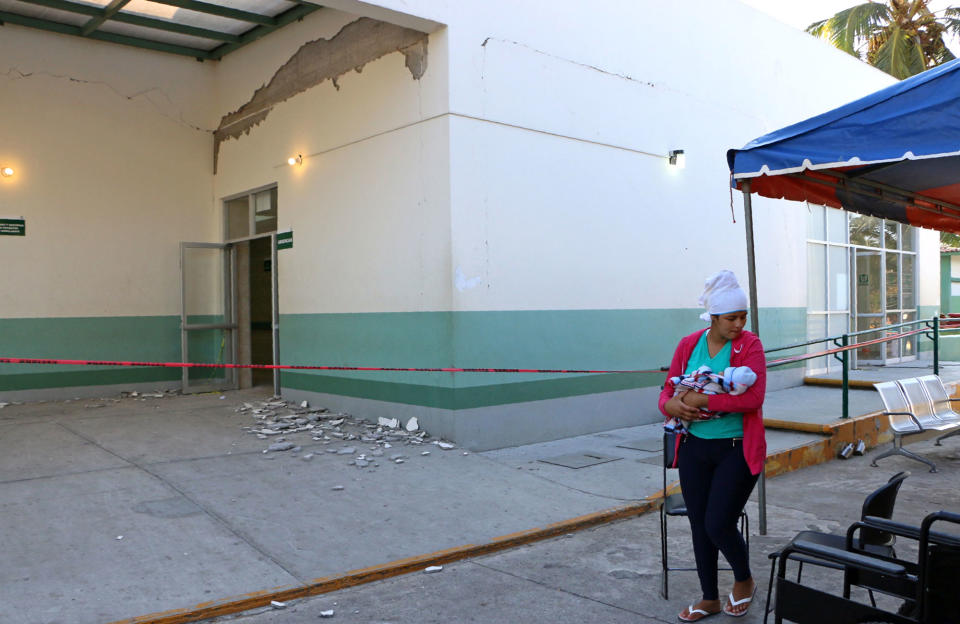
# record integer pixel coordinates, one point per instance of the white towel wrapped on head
(722, 294)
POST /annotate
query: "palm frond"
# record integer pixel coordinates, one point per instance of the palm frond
(816, 28)
(951, 21)
(899, 55)
(850, 28)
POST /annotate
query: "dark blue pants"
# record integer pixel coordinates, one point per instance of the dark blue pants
(716, 484)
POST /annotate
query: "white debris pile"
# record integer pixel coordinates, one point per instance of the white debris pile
(143, 396)
(290, 426)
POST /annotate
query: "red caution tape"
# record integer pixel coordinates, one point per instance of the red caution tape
(786, 360)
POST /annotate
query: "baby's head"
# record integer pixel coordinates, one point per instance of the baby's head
(736, 379)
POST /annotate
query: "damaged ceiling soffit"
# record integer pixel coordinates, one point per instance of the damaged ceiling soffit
(357, 44)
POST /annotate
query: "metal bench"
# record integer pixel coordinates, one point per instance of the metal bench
(916, 405)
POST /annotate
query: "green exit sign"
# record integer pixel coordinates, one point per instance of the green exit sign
(13, 227)
(285, 240)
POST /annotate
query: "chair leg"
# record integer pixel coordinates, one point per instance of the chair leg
(664, 581)
(799, 572)
(947, 435)
(897, 449)
(773, 567)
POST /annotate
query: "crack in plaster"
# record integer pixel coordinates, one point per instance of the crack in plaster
(572, 62)
(15, 74)
(358, 43)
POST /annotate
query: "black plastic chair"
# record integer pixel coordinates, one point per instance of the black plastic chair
(928, 584)
(878, 504)
(674, 505)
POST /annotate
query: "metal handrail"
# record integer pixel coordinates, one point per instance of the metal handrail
(844, 347)
(856, 333)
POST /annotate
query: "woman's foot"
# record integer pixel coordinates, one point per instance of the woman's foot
(696, 612)
(740, 598)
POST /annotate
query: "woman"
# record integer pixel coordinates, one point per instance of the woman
(719, 460)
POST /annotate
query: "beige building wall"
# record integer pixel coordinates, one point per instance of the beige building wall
(111, 147)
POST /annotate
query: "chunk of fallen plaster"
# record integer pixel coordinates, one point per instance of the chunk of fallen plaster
(433, 569)
(337, 488)
(276, 604)
(348, 450)
(392, 423)
(446, 445)
(304, 404)
(280, 446)
(326, 614)
(413, 424)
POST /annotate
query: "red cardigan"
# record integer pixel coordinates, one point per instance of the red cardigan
(744, 351)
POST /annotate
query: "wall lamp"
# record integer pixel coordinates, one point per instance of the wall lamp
(295, 160)
(6, 171)
(677, 158)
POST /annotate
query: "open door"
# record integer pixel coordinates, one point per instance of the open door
(208, 324)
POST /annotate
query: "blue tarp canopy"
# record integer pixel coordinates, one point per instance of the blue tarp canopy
(893, 154)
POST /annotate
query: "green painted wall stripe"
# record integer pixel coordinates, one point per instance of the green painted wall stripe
(608, 339)
(470, 397)
(148, 338)
(33, 381)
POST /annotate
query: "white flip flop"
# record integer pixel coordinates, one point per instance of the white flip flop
(702, 614)
(736, 603)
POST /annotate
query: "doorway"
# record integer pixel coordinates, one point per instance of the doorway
(255, 309)
(250, 225)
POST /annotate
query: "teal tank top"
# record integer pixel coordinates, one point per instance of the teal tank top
(729, 426)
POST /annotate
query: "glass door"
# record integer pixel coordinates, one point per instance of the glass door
(868, 286)
(207, 320)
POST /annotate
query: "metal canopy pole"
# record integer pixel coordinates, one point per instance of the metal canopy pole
(755, 328)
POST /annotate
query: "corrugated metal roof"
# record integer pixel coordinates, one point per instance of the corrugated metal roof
(206, 30)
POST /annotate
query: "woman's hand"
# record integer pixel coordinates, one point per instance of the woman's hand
(678, 407)
(696, 399)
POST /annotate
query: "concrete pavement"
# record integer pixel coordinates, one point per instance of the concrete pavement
(611, 573)
(130, 506)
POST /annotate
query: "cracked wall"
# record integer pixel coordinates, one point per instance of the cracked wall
(354, 46)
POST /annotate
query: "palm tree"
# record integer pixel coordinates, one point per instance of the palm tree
(900, 37)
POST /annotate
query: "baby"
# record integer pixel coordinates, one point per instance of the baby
(734, 380)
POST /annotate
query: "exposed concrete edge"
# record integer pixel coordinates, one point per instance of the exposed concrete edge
(858, 384)
(328, 584)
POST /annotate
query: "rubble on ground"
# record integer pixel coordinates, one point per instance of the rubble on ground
(288, 426)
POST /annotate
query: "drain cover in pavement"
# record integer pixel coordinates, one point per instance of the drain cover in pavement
(644, 444)
(579, 460)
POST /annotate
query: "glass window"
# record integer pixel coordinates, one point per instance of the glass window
(816, 268)
(909, 345)
(816, 328)
(908, 237)
(909, 299)
(839, 278)
(838, 324)
(893, 347)
(836, 226)
(258, 209)
(865, 230)
(265, 211)
(871, 352)
(238, 218)
(891, 234)
(815, 225)
(893, 281)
